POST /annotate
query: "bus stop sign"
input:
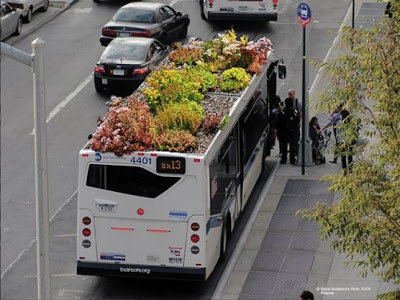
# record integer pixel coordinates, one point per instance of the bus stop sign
(304, 14)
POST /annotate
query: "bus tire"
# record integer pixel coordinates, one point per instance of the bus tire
(203, 16)
(224, 243)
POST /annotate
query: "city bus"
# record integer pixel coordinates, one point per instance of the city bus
(158, 214)
(254, 10)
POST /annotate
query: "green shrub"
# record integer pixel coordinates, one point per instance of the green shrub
(235, 80)
(186, 115)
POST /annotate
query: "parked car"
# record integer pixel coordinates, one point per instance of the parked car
(11, 21)
(29, 7)
(128, 61)
(156, 20)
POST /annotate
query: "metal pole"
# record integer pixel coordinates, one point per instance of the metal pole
(353, 14)
(303, 95)
(41, 182)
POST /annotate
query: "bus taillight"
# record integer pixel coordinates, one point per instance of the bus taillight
(86, 220)
(195, 238)
(195, 226)
(86, 232)
(140, 211)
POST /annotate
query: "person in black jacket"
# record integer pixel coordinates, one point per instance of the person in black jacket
(314, 132)
(288, 123)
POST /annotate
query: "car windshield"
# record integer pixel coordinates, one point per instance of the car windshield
(131, 14)
(125, 52)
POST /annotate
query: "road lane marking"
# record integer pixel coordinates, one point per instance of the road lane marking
(63, 103)
(62, 291)
(33, 241)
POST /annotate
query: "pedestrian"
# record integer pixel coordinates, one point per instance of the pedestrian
(306, 295)
(314, 132)
(345, 144)
(296, 103)
(334, 120)
(276, 108)
(288, 124)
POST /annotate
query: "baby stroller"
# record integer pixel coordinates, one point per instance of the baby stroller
(319, 146)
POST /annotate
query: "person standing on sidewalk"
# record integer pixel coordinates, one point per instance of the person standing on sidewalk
(345, 145)
(314, 132)
(336, 117)
(288, 123)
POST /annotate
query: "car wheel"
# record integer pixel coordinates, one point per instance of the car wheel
(19, 27)
(45, 7)
(163, 38)
(183, 32)
(98, 85)
(28, 17)
(203, 16)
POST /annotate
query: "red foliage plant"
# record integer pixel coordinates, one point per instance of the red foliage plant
(129, 126)
(211, 122)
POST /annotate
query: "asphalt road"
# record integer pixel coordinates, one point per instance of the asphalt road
(72, 48)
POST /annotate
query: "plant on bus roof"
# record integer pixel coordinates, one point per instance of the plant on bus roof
(212, 122)
(186, 55)
(166, 86)
(129, 126)
(176, 141)
(235, 80)
(186, 115)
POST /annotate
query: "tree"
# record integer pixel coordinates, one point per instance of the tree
(366, 80)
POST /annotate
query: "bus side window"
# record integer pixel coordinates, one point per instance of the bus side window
(222, 174)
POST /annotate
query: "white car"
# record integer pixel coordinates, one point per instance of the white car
(29, 7)
(11, 20)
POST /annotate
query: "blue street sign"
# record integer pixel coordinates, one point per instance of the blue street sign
(304, 14)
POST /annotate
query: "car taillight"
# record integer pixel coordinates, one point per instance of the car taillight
(145, 33)
(108, 32)
(275, 1)
(99, 69)
(86, 232)
(16, 5)
(195, 238)
(140, 71)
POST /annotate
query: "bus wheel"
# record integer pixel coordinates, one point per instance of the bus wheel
(203, 16)
(224, 242)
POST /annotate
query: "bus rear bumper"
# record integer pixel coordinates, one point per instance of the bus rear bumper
(140, 271)
(243, 16)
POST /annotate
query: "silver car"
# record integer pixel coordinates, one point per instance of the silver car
(11, 20)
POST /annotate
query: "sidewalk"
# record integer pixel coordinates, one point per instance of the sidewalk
(41, 18)
(283, 254)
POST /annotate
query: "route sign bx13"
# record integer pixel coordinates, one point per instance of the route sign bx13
(175, 165)
(304, 14)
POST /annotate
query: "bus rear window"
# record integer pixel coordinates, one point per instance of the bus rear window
(128, 180)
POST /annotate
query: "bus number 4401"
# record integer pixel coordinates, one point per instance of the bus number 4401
(141, 160)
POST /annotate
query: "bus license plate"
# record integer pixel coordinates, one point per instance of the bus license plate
(106, 207)
(118, 72)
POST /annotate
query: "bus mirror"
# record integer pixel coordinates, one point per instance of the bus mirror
(282, 70)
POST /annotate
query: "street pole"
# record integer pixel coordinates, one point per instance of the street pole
(353, 14)
(41, 178)
(303, 96)
(36, 62)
